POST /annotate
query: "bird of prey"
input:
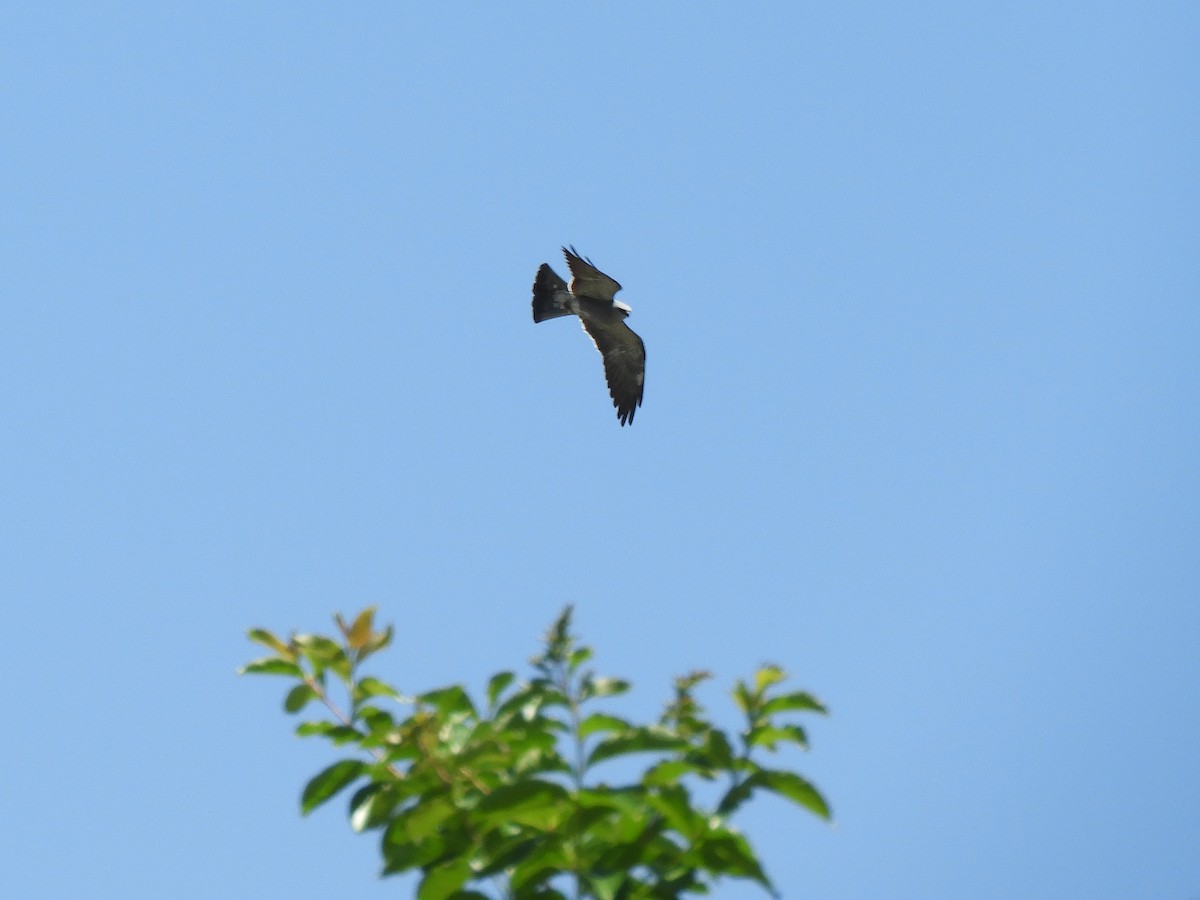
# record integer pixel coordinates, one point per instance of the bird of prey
(591, 297)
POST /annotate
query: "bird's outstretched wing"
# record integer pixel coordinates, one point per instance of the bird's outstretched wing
(587, 280)
(624, 362)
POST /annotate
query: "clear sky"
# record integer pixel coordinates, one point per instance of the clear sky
(920, 289)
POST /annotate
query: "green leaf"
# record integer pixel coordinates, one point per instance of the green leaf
(425, 818)
(766, 677)
(443, 882)
(669, 771)
(530, 700)
(727, 853)
(798, 701)
(448, 700)
(737, 794)
(685, 683)
(328, 782)
(597, 824)
(298, 698)
(373, 687)
(376, 720)
(794, 788)
(530, 876)
(318, 647)
(579, 657)
(323, 653)
(371, 805)
(500, 852)
(558, 639)
(538, 804)
(400, 854)
(338, 734)
(271, 665)
(717, 751)
(607, 887)
(600, 722)
(645, 847)
(629, 802)
(743, 698)
(268, 639)
(605, 687)
(640, 740)
(497, 685)
(674, 804)
(769, 736)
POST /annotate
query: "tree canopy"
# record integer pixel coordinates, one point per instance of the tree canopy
(502, 796)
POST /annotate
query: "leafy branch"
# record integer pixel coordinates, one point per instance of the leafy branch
(504, 795)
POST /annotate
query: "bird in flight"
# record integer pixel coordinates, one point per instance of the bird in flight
(591, 297)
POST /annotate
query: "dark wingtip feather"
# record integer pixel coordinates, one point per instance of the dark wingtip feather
(625, 411)
(569, 251)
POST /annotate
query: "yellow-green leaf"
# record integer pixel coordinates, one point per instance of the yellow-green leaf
(271, 665)
(267, 639)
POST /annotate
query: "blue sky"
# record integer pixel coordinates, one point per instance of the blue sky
(919, 288)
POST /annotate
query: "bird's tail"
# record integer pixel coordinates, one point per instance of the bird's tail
(546, 289)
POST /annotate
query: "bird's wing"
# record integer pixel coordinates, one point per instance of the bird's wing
(587, 280)
(624, 363)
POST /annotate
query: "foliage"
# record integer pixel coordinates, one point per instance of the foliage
(503, 795)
